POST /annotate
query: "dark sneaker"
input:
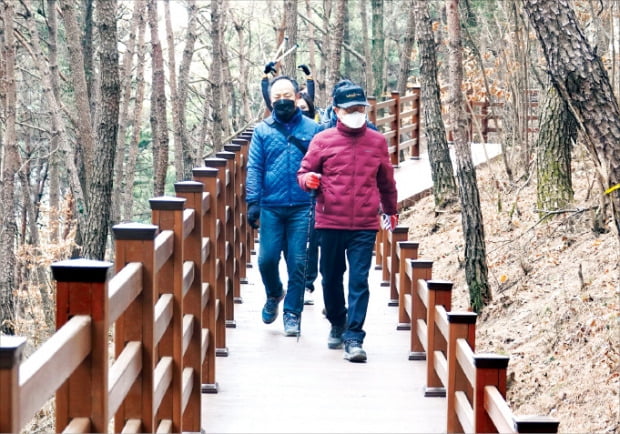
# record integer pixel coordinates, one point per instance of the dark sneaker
(334, 341)
(353, 352)
(308, 300)
(291, 324)
(270, 310)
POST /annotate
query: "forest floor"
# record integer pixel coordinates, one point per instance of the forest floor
(556, 295)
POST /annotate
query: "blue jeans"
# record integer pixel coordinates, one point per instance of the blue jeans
(312, 267)
(284, 229)
(338, 247)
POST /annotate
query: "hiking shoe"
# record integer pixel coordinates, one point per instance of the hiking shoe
(291, 324)
(334, 341)
(270, 310)
(353, 352)
(308, 300)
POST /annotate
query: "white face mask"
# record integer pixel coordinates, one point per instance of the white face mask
(353, 120)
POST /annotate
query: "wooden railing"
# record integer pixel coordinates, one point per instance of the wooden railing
(166, 301)
(398, 118)
(474, 384)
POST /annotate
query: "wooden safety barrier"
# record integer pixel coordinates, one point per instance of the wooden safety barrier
(398, 118)
(168, 299)
(474, 384)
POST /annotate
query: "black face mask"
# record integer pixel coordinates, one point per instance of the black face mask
(284, 109)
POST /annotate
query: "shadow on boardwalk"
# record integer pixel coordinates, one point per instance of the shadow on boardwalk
(270, 383)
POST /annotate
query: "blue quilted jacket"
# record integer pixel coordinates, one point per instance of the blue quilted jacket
(273, 162)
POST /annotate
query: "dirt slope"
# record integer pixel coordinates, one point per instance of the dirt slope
(556, 296)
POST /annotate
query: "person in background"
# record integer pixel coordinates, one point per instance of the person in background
(328, 118)
(277, 203)
(350, 169)
(305, 103)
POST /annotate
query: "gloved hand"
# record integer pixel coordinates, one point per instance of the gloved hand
(389, 222)
(312, 180)
(253, 215)
(270, 67)
(305, 69)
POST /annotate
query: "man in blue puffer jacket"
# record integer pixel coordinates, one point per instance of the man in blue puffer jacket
(275, 199)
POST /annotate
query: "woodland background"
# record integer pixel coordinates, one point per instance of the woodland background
(105, 104)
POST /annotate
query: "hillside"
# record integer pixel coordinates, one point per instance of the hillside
(556, 296)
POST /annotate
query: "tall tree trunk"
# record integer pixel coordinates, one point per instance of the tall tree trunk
(175, 109)
(476, 271)
(96, 233)
(368, 66)
(10, 164)
(65, 150)
(335, 41)
(120, 175)
(191, 36)
(85, 141)
(558, 132)
(88, 52)
(405, 55)
(132, 153)
(216, 75)
(442, 172)
(347, 66)
(54, 177)
(582, 81)
(159, 122)
(378, 48)
(290, 21)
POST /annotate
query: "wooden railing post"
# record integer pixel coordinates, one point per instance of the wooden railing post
(407, 250)
(135, 242)
(167, 213)
(11, 352)
(232, 153)
(244, 241)
(399, 234)
(222, 270)
(250, 235)
(415, 150)
(82, 289)
(395, 111)
(462, 326)
(439, 294)
(228, 185)
(490, 371)
(372, 109)
(193, 302)
(212, 318)
(420, 269)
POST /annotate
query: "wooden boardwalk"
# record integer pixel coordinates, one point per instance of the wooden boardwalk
(270, 383)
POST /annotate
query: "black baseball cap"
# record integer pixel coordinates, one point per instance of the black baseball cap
(349, 95)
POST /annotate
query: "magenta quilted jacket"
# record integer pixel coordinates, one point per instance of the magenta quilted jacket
(357, 178)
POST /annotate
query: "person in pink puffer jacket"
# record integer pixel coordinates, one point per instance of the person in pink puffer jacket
(350, 169)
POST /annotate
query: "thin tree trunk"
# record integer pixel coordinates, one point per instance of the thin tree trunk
(582, 81)
(132, 154)
(476, 271)
(405, 55)
(96, 233)
(558, 132)
(120, 175)
(335, 42)
(444, 185)
(10, 163)
(290, 21)
(378, 48)
(54, 180)
(191, 36)
(159, 122)
(87, 53)
(85, 140)
(368, 66)
(175, 108)
(216, 75)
